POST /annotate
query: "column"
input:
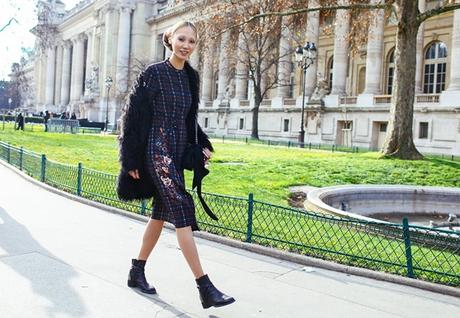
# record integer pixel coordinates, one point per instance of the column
(206, 88)
(89, 62)
(195, 58)
(241, 76)
(57, 85)
(66, 65)
(285, 60)
(454, 80)
(374, 51)
(342, 27)
(312, 37)
(451, 96)
(77, 68)
(419, 55)
(223, 65)
(50, 75)
(124, 31)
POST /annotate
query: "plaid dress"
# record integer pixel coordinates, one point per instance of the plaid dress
(165, 147)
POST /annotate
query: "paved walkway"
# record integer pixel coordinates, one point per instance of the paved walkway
(60, 258)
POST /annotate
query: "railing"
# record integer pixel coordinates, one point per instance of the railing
(316, 146)
(427, 98)
(413, 251)
(348, 100)
(382, 99)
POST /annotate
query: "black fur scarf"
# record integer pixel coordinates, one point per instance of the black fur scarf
(136, 122)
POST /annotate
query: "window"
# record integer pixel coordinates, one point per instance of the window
(206, 122)
(390, 72)
(286, 125)
(347, 125)
(434, 77)
(383, 127)
(330, 68)
(241, 126)
(423, 130)
(361, 80)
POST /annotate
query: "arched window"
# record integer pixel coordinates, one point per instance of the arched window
(390, 72)
(434, 77)
(330, 68)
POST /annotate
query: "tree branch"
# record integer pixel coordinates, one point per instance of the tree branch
(9, 22)
(433, 12)
(362, 6)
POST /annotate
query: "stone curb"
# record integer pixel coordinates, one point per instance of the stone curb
(278, 254)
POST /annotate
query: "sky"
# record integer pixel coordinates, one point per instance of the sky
(17, 35)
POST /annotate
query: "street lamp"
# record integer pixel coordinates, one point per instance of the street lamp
(9, 104)
(304, 56)
(108, 83)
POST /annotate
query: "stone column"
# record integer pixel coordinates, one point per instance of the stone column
(312, 37)
(124, 31)
(454, 79)
(89, 60)
(57, 85)
(223, 65)
(451, 96)
(342, 27)
(285, 60)
(194, 59)
(207, 74)
(50, 75)
(420, 57)
(241, 76)
(77, 68)
(66, 66)
(374, 51)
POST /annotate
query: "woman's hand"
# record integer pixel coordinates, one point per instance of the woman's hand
(134, 174)
(207, 155)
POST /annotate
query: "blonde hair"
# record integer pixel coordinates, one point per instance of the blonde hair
(170, 32)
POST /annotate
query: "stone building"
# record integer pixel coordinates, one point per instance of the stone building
(99, 39)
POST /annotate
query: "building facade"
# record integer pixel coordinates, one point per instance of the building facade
(101, 39)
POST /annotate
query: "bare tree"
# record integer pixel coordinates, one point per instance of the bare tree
(399, 139)
(257, 51)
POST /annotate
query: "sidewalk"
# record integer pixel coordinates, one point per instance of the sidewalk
(60, 258)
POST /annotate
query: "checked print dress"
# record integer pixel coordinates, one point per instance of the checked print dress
(166, 144)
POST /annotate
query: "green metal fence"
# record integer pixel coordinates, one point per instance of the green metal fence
(413, 251)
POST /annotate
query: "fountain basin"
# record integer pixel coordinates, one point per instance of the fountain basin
(366, 202)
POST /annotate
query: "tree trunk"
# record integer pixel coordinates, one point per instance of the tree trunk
(255, 112)
(399, 138)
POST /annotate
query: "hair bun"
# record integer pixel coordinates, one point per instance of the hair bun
(166, 37)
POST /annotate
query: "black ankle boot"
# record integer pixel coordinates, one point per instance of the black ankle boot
(136, 277)
(210, 295)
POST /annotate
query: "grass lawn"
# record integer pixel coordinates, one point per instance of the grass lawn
(238, 169)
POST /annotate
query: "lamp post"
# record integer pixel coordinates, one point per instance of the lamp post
(305, 56)
(108, 83)
(9, 104)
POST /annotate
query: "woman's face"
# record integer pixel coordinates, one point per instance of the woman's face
(183, 42)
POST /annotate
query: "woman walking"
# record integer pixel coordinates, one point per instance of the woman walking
(158, 122)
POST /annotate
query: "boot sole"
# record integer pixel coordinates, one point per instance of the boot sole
(206, 306)
(133, 285)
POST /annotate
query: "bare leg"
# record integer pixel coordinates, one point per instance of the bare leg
(188, 247)
(151, 234)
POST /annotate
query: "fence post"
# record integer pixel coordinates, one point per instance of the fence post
(143, 206)
(79, 178)
(309, 146)
(43, 169)
(250, 212)
(410, 270)
(223, 139)
(246, 140)
(21, 154)
(333, 148)
(289, 144)
(8, 153)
